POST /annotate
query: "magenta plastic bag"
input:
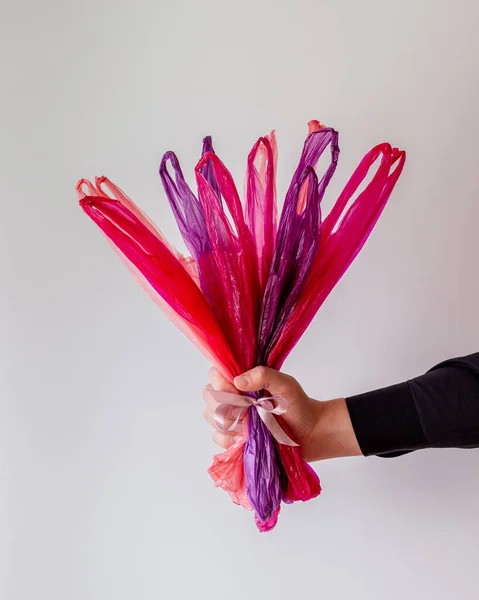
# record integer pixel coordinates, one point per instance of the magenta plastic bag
(251, 286)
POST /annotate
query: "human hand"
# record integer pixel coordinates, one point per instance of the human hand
(322, 429)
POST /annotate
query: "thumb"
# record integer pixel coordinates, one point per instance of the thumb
(264, 378)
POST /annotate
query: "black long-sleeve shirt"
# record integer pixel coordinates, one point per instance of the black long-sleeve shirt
(437, 410)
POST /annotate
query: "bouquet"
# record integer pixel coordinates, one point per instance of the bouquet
(252, 283)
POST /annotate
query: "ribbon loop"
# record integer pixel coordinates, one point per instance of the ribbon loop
(266, 407)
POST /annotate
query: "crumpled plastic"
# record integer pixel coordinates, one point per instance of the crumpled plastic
(251, 285)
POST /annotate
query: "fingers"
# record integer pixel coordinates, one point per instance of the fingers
(208, 398)
(225, 440)
(212, 404)
(228, 421)
(264, 378)
(220, 383)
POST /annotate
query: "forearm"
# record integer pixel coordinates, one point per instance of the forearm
(437, 410)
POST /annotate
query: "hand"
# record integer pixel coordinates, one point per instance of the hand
(322, 429)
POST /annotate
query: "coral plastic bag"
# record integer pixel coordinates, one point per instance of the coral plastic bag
(251, 285)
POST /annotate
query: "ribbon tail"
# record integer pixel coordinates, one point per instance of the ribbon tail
(275, 428)
(220, 416)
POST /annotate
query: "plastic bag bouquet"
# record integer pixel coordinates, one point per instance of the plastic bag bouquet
(251, 284)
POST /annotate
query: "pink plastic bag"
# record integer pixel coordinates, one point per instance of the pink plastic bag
(251, 285)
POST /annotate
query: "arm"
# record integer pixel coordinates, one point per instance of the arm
(438, 409)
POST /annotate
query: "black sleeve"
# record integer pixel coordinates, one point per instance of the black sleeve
(437, 410)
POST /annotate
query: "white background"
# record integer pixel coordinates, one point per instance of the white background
(103, 450)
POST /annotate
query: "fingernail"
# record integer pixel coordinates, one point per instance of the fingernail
(236, 438)
(241, 381)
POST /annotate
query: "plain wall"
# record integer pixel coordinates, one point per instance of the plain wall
(103, 451)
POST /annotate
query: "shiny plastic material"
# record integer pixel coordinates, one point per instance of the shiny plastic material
(251, 286)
